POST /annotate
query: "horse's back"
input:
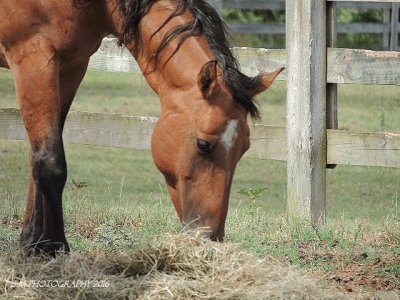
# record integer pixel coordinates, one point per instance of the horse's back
(20, 20)
(72, 31)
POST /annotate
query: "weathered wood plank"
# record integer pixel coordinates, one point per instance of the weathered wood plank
(276, 28)
(256, 60)
(255, 4)
(378, 28)
(101, 129)
(331, 88)
(267, 142)
(121, 131)
(363, 66)
(344, 65)
(266, 28)
(112, 58)
(364, 149)
(11, 125)
(306, 109)
(373, 149)
(113, 130)
(363, 5)
(394, 27)
(348, 66)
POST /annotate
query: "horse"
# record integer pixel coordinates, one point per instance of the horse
(182, 48)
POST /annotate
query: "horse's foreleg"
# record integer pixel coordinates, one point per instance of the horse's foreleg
(44, 105)
(37, 87)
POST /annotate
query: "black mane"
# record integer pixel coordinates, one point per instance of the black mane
(205, 22)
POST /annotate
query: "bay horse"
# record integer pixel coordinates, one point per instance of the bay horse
(183, 51)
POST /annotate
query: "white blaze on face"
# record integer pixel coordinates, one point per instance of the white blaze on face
(229, 136)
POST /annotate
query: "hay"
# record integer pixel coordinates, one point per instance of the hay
(180, 267)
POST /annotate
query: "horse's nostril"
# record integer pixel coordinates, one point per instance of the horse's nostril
(204, 147)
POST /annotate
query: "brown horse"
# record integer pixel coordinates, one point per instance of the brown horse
(181, 47)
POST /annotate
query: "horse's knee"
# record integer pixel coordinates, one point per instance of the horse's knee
(49, 169)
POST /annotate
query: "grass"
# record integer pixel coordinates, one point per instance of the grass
(131, 249)
(116, 201)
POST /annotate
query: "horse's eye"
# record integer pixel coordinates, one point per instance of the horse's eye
(204, 146)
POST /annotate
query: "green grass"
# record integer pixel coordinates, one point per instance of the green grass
(116, 198)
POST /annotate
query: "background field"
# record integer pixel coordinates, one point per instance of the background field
(116, 198)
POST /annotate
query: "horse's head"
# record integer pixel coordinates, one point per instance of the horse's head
(183, 49)
(200, 137)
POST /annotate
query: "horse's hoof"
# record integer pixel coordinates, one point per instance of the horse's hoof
(44, 248)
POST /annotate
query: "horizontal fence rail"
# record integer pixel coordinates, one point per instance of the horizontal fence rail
(350, 66)
(101, 129)
(267, 142)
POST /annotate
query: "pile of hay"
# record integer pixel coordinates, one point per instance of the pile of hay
(180, 267)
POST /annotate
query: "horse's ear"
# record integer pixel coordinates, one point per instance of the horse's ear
(266, 80)
(207, 80)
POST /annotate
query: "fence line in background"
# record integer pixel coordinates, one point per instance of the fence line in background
(390, 27)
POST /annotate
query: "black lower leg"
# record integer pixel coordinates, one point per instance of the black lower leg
(43, 229)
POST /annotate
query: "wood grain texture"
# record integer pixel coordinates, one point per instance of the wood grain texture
(112, 58)
(363, 66)
(331, 88)
(255, 4)
(267, 142)
(306, 109)
(364, 149)
(101, 129)
(394, 27)
(256, 60)
(347, 66)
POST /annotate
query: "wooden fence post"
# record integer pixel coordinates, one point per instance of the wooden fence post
(306, 109)
(331, 88)
(394, 33)
(386, 35)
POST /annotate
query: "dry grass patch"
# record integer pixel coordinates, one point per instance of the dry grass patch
(180, 267)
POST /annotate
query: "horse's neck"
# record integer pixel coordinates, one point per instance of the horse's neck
(174, 70)
(178, 71)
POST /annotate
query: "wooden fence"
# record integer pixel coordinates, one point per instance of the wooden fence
(307, 143)
(389, 28)
(312, 104)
